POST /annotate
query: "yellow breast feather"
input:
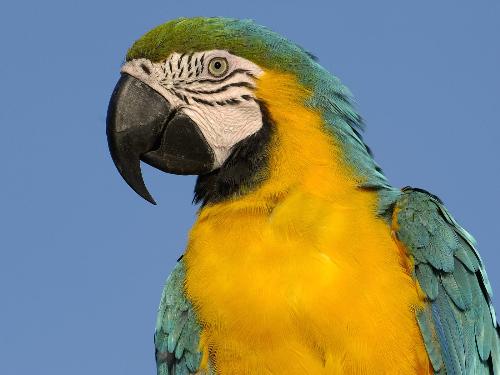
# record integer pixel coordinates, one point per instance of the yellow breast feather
(300, 276)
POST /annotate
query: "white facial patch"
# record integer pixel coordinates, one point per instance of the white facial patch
(224, 107)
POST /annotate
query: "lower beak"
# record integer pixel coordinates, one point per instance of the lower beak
(142, 125)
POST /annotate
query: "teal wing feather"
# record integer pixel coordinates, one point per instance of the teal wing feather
(177, 330)
(458, 326)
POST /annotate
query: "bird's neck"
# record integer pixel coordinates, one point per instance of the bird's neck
(292, 151)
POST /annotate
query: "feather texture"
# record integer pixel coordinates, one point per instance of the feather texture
(177, 330)
(458, 326)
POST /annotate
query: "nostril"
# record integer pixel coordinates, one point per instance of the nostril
(146, 69)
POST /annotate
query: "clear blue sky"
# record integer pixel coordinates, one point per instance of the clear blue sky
(83, 259)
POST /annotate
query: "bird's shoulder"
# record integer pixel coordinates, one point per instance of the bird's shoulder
(458, 325)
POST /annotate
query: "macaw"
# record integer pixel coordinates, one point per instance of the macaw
(303, 258)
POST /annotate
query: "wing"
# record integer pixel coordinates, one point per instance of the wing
(458, 326)
(177, 330)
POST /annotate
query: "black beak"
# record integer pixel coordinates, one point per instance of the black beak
(142, 125)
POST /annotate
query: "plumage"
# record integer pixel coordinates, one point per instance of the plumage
(303, 258)
(461, 304)
(177, 330)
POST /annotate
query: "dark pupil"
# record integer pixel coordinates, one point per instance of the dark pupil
(217, 65)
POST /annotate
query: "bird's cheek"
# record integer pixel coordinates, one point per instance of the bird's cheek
(227, 126)
(211, 124)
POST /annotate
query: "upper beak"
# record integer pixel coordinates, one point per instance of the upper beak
(142, 125)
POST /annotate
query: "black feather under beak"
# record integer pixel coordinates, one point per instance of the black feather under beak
(142, 125)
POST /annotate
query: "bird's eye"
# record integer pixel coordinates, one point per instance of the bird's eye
(218, 66)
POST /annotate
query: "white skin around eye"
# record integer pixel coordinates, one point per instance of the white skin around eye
(224, 108)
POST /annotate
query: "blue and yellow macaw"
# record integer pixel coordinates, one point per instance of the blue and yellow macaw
(303, 259)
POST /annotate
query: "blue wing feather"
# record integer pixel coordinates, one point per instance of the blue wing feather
(459, 325)
(177, 330)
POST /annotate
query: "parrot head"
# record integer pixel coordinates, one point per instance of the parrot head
(190, 101)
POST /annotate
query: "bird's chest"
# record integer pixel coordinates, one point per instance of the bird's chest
(283, 295)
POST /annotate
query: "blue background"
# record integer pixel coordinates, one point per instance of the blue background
(83, 259)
